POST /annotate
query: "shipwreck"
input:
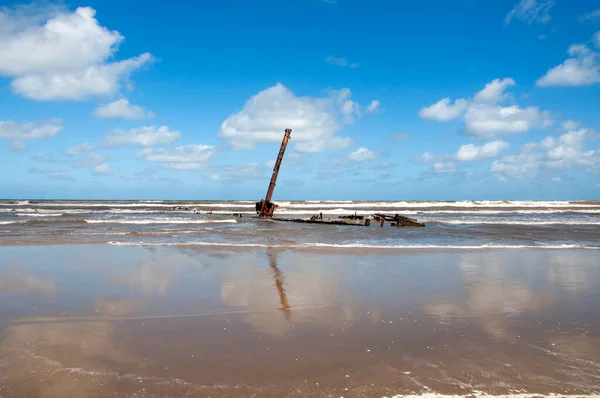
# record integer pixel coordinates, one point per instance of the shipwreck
(265, 208)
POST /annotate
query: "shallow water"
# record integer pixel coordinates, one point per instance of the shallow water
(96, 320)
(460, 225)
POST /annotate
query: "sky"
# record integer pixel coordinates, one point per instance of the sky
(387, 100)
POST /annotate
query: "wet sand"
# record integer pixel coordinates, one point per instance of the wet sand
(100, 321)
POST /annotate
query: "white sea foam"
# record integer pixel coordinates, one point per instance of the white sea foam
(465, 204)
(39, 214)
(358, 246)
(518, 222)
(160, 221)
(8, 222)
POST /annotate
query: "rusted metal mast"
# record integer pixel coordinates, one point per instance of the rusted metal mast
(265, 208)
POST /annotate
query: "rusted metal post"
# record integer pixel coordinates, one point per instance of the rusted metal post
(266, 207)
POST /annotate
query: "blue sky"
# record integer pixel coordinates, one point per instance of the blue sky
(388, 100)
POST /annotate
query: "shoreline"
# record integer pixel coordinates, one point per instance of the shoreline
(319, 248)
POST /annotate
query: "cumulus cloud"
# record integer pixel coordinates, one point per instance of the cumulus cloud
(530, 11)
(122, 109)
(90, 159)
(427, 157)
(103, 169)
(143, 136)
(447, 167)
(62, 55)
(79, 148)
(581, 69)
(186, 157)
(340, 61)
(494, 91)
(569, 125)
(444, 110)
(362, 155)
(484, 116)
(447, 163)
(489, 121)
(18, 133)
(374, 106)
(240, 172)
(472, 152)
(552, 153)
(314, 120)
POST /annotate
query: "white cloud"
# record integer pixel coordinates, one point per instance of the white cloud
(18, 146)
(568, 150)
(103, 169)
(340, 61)
(122, 109)
(314, 121)
(19, 133)
(144, 136)
(186, 157)
(550, 154)
(183, 166)
(556, 179)
(488, 121)
(443, 110)
(95, 80)
(472, 152)
(62, 55)
(374, 106)
(589, 16)
(493, 92)
(79, 148)
(517, 166)
(29, 131)
(531, 11)
(239, 172)
(569, 125)
(581, 69)
(484, 117)
(362, 155)
(89, 160)
(447, 167)
(427, 157)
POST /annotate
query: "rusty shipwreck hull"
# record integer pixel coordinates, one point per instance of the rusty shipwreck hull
(395, 220)
(265, 208)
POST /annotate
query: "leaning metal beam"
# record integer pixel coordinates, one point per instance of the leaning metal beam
(266, 207)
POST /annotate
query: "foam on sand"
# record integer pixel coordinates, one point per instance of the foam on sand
(357, 246)
(160, 221)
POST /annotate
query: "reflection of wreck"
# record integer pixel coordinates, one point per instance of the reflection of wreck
(265, 208)
(278, 276)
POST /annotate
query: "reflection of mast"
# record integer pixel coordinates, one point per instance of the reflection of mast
(279, 284)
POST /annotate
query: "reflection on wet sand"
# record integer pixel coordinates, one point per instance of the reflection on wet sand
(281, 323)
(277, 275)
(17, 281)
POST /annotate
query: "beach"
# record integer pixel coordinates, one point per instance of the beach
(135, 299)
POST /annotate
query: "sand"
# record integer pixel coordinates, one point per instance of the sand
(100, 321)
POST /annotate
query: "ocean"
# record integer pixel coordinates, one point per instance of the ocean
(449, 225)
